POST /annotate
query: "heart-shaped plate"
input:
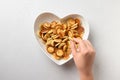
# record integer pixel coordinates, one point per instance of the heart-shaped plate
(49, 17)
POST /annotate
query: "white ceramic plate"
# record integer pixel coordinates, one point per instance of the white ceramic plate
(49, 17)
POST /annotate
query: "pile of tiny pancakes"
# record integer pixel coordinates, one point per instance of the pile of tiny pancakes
(57, 36)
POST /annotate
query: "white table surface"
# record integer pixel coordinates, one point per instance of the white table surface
(21, 57)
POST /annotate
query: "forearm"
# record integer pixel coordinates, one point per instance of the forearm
(86, 76)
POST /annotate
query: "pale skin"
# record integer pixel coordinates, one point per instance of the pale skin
(83, 56)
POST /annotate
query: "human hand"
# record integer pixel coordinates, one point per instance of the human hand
(83, 57)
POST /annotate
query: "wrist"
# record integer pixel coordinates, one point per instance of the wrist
(86, 75)
(85, 71)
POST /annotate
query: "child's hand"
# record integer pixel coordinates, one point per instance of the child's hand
(83, 57)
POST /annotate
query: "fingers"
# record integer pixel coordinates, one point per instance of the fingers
(82, 46)
(76, 40)
(72, 45)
